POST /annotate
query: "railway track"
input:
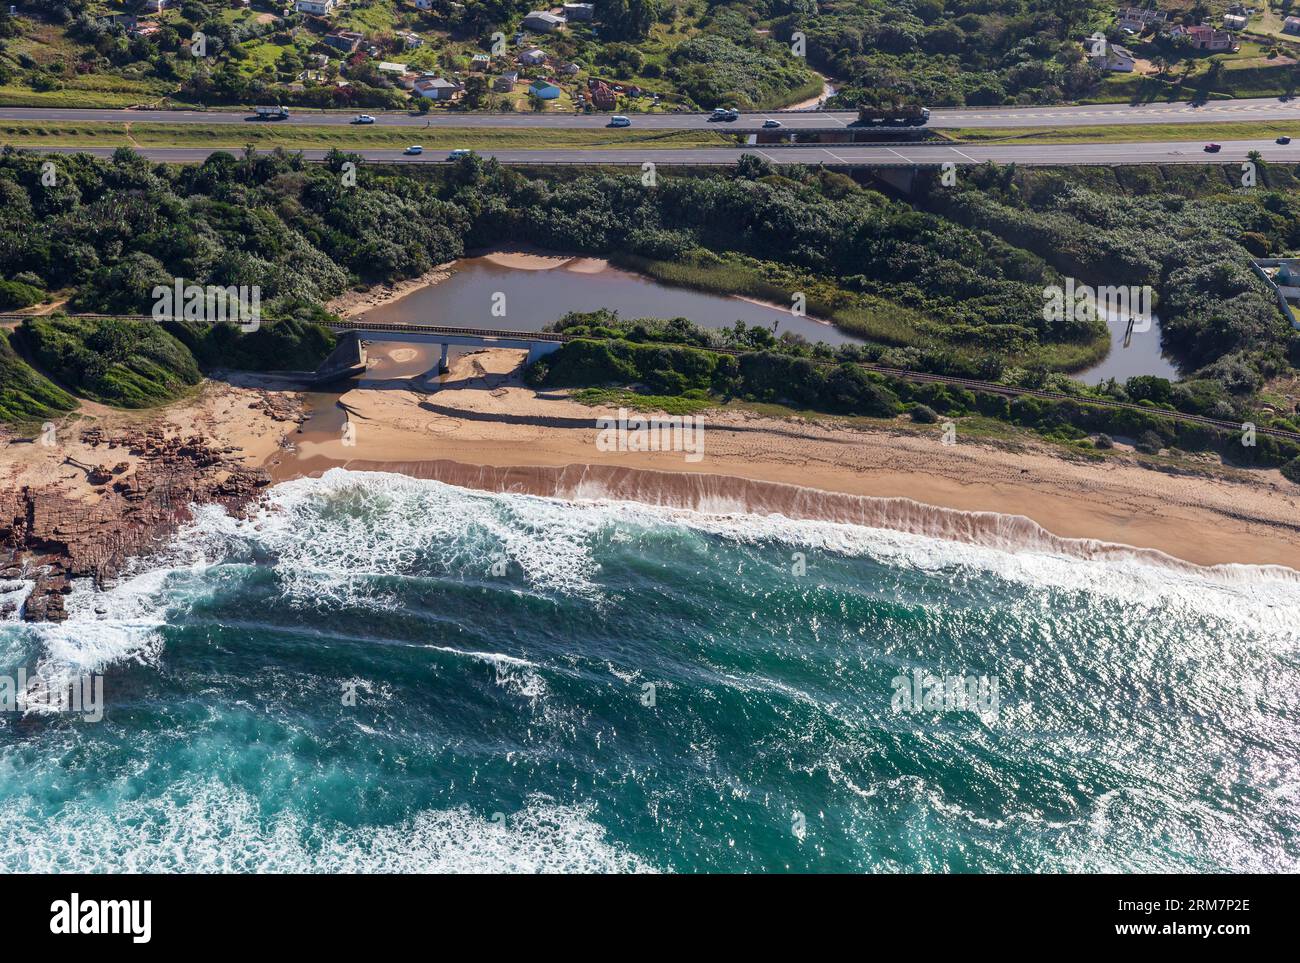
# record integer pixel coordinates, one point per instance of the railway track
(920, 377)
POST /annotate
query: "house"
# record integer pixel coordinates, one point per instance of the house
(575, 12)
(436, 88)
(412, 40)
(506, 82)
(387, 67)
(1113, 57)
(408, 79)
(544, 90)
(602, 96)
(569, 70)
(318, 8)
(532, 58)
(1235, 21)
(543, 21)
(480, 62)
(1205, 37)
(344, 40)
(1291, 25)
(1136, 20)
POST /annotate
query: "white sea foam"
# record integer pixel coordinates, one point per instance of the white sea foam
(210, 828)
(381, 522)
(335, 541)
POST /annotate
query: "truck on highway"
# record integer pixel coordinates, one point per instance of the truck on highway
(896, 113)
(271, 113)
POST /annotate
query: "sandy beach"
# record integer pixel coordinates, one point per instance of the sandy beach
(481, 416)
(481, 427)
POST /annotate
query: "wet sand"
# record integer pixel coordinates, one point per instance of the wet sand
(480, 427)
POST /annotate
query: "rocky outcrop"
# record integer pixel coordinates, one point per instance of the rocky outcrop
(53, 536)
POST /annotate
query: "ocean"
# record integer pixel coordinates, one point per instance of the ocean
(377, 673)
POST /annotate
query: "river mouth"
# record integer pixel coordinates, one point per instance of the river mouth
(525, 291)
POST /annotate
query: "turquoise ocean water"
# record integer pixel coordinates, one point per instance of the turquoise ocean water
(377, 673)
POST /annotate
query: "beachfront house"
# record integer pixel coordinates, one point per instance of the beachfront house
(543, 21)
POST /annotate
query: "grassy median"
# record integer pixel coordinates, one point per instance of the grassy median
(269, 134)
(1126, 133)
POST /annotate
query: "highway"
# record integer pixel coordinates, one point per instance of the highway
(1222, 111)
(837, 155)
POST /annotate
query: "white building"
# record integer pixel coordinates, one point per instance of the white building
(1114, 57)
(318, 8)
(531, 58)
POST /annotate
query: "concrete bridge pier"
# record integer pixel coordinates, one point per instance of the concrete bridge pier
(443, 366)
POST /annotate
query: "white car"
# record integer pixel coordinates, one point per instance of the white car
(618, 120)
(414, 149)
(769, 124)
(363, 119)
(458, 153)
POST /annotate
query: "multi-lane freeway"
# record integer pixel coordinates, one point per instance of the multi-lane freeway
(838, 155)
(1222, 111)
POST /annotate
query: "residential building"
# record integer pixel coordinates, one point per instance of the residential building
(1235, 21)
(569, 70)
(1114, 57)
(412, 40)
(543, 21)
(480, 62)
(575, 12)
(387, 67)
(1205, 37)
(532, 58)
(1135, 19)
(344, 40)
(506, 82)
(317, 8)
(602, 95)
(544, 89)
(437, 88)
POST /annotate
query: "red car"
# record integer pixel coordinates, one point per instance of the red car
(1213, 148)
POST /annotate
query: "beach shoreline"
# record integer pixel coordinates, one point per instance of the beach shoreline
(481, 428)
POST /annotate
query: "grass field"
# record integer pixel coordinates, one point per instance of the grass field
(91, 134)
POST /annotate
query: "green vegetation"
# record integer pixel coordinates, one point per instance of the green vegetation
(25, 396)
(132, 364)
(673, 358)
(1124, 133)
(265, 136)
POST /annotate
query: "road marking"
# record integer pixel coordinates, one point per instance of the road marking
(837, 156)
(897, 154)
(965, 155)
